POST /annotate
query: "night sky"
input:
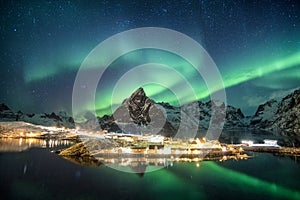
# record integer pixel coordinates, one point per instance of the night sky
(255, 45)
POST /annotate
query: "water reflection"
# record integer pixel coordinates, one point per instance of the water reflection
(140, 163)
(22, 144)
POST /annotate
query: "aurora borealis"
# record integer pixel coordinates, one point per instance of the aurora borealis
(255, 45)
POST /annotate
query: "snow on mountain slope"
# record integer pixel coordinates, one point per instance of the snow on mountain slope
(6, 114)
(265, 114)
(279, 116)
(59, 120)
(287, 117)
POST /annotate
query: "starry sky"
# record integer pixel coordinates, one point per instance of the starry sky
(255, 45)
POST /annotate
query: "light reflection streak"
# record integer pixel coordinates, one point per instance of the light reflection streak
(21, 144)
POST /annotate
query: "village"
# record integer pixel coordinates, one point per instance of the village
(158, 148)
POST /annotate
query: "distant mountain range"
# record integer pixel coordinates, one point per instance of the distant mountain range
(136, 112)
(60, 119)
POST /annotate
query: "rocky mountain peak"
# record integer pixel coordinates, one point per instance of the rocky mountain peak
(136, 114)
(138, 97)
(138, 106)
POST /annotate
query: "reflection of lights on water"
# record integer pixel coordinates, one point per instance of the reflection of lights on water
(20, 141)
(197, 164)
(30, 142)
(55, 143)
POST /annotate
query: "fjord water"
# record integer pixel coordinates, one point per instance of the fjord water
(39, 174)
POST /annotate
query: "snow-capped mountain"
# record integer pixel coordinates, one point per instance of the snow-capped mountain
(6, 114)
(138, 110)
(60, 120)
(234, 116)
(265, 115)
(282, 116)
(136, 113)
(274, 115)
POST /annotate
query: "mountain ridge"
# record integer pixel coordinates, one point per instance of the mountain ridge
(136, 112)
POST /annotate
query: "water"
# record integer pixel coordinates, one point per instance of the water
(36, 173)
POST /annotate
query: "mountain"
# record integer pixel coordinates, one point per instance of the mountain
(275, 116)
(134, 116)
(6, 114)
(264, 115)
(140, 114)
(234, 116)
(288, 113)
(136, 112)
(282, 116)
(60, 120)
(136, 109)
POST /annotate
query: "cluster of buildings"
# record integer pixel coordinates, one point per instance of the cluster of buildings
(157, 145)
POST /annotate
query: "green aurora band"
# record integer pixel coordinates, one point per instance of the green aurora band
(232, 180)
(230, 78)
(194, 183)
(189, 183)
(261, 71)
